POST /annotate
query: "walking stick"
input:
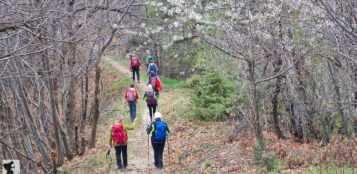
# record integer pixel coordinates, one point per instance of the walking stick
(148, 151)
(147, 126)
(168, 151)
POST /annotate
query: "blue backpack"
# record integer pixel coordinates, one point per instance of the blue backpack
(152, 69)
(160, 131)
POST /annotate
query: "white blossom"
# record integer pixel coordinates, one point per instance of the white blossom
(176, 24)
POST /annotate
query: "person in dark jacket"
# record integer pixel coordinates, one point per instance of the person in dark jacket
(158, 130)
(150, 58)
(151, 100)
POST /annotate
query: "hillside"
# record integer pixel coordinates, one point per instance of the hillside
(249, 86)
(201, 147)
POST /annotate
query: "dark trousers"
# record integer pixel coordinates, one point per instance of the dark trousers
(118, 151)
(158, 153)
(132, 106)
(152, 110)
(157, 93)
(137, 71)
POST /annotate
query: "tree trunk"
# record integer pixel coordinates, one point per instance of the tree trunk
(95, 108)
(274, 101)
(6, 116)
(344, 127)
(296, 127)
(26, 141)
(255, 109)
(277, 63)
(355, 100)
(70, 106)
(34, 130)
(301, 88)
(85, 94)
(52, 108)
(44, 118)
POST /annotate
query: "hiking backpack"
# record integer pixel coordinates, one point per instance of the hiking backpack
(119, 134)
(152, 69)
(153, 82)
(131, 95)
(160, 131)
(150, 99)
(135, 62)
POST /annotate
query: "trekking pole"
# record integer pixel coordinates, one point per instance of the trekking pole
(168, 151)
(148, 141)
(148, 151)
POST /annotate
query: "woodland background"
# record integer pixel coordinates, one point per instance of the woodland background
(286, 67)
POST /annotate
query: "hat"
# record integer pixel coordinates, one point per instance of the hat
(119, 117)
(150, 88)
(157, 115)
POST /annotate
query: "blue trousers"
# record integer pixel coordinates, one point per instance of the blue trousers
(132, 106)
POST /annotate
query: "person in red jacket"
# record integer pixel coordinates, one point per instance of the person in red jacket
(132, 96)
(118, 138)
(135, 66)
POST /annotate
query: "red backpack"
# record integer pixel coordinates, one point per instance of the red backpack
(153, 82)
(135, 62)
(131, 95)
(119, 134)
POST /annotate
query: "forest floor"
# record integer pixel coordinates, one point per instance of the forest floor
(196, 146)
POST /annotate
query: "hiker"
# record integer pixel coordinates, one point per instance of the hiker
(152, 70)
(155, 83)
(119, 138)
(132, 96)
(151, 100)
(158, 130)
(135, 66)
(150, 58)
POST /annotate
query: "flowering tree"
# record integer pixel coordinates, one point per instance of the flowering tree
(276, 46)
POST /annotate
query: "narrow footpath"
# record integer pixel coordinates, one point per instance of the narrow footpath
(138, 160)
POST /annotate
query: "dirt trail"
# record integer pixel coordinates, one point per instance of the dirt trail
(138, 161)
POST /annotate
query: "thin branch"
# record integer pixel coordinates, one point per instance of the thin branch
(230, 53)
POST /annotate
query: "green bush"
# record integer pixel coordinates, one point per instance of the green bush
(66, 171)
(268, 163)
(258, 151)
(207, 163)
(172, 84)
(213, 97)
